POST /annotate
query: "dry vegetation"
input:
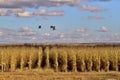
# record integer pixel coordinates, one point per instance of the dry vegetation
(59, 58)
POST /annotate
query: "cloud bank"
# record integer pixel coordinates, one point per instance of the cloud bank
(28, 35)
(91, 8)
(22, 13)
(45, 12)
(96, 17)
(19, 7)
(100, 0)
(81, 30)
(36, 3)
(103, 29)
(4, 12)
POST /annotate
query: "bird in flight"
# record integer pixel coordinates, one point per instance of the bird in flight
(39, 27)
(52, 27)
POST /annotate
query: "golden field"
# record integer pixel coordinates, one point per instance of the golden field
(60, 61)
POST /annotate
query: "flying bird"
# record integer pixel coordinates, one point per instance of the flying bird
(52, 27)
(39, 27)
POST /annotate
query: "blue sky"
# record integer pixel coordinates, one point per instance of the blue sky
(76, 21)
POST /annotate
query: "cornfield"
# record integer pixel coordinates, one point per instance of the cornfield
(60, 58)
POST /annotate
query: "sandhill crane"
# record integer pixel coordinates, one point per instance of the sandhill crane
(52, 27)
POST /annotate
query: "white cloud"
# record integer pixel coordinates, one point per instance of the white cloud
(36, 3)
(3, 12)
(26, 31)
(84, 35)
(19, 7)
(45, 12)
(115, 35)
(112, 37)
(25, 14)
(91, 8)
(81, 30)
(68, 2)
(103, 29)
(61, 35)
(28, 35)
(19, 12)
(7, 30)
(46, 34)
(25, 28)
(23, 34)
(96, 17)
(15, 10)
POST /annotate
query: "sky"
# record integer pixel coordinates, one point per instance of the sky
(76, 21)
